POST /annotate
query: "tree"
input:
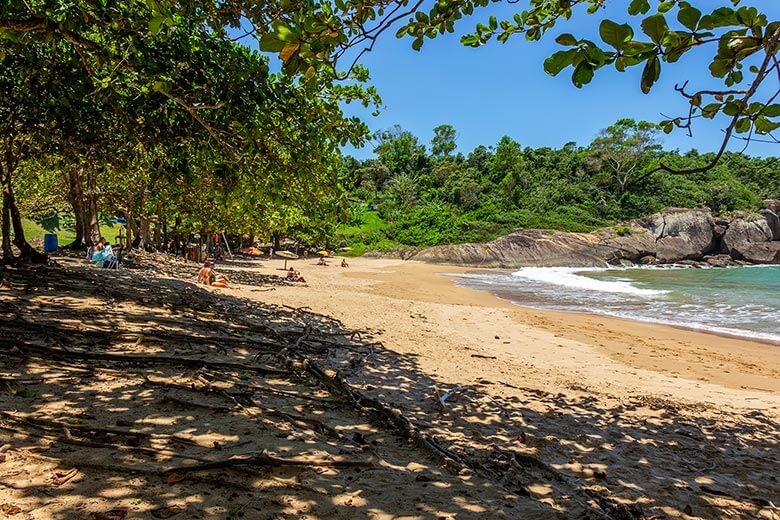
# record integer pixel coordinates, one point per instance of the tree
(624, 150)
(400, 151)
(443, 142)
(507, 166)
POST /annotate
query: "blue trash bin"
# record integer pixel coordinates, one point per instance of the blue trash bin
(50, 243)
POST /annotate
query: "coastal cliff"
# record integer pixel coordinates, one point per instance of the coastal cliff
(675, 235)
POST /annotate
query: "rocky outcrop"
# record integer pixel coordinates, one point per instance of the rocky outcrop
(674, 235)
(681, 234)
(752, 240)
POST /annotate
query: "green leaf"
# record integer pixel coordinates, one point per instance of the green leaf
(566, 39)
(772, 111)
(417, 44)
(688, 16)
(155, 24)
(730, 108)
(743, 125)
(665, 6)
(582, 75)
(721, 17)
(635, 48)
(638, 7)
(710, 111)
(655, 27)
(558, 61)
(270, 43)
(615, 34)
(650, 74)
(765, 126)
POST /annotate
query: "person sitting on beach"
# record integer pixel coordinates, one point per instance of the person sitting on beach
(210, 277)
(322, 261)
(294, 276)
(102, 254)
(344, 262)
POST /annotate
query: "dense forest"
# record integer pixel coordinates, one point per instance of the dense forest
(428, 195)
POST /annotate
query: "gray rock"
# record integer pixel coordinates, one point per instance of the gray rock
(682, 234)
(750, 240)
(773, 220)
(743, 231)
(670, 236)
(719, 260)
(760, 253)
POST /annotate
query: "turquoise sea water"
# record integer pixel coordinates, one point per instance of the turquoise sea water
(740, 301)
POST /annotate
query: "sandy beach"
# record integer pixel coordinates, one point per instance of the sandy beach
(541, 414)
(421, 311)
(666, 414)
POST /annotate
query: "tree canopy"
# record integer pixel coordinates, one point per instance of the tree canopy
(171, 124)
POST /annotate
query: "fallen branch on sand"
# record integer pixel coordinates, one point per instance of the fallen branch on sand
(41, 350)
(41, 422)
(264, 459)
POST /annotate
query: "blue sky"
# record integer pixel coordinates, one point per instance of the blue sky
(498, 90)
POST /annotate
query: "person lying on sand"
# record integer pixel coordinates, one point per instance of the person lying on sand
(211, 278)
(344, 262)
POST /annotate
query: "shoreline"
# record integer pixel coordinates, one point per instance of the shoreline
(732, 333)
(617, 355)
(691, 328)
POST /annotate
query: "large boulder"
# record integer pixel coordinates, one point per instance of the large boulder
(773, 221)
(682, 234)
(759, 253)
(772, 205)
(750, 239)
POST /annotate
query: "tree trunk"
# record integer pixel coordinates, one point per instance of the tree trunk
(8, 253)
(28, 253)
(143, 240)
(76, 199)
(130, 227)
(91, 223)
(277, 239)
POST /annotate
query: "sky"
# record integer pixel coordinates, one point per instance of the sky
(497, 90)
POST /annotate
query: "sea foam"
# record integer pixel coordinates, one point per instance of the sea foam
(569, 277)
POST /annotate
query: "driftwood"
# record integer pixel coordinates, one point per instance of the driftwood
(266, 390)
(264, 459)
(39, 421)
(155, 359)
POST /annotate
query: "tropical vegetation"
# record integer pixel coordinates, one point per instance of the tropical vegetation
(422, 196)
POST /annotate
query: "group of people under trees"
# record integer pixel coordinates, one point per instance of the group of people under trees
(208, 275)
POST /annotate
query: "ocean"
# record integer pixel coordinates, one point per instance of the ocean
(738, 301)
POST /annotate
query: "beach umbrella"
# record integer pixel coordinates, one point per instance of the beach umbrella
(287, 255)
